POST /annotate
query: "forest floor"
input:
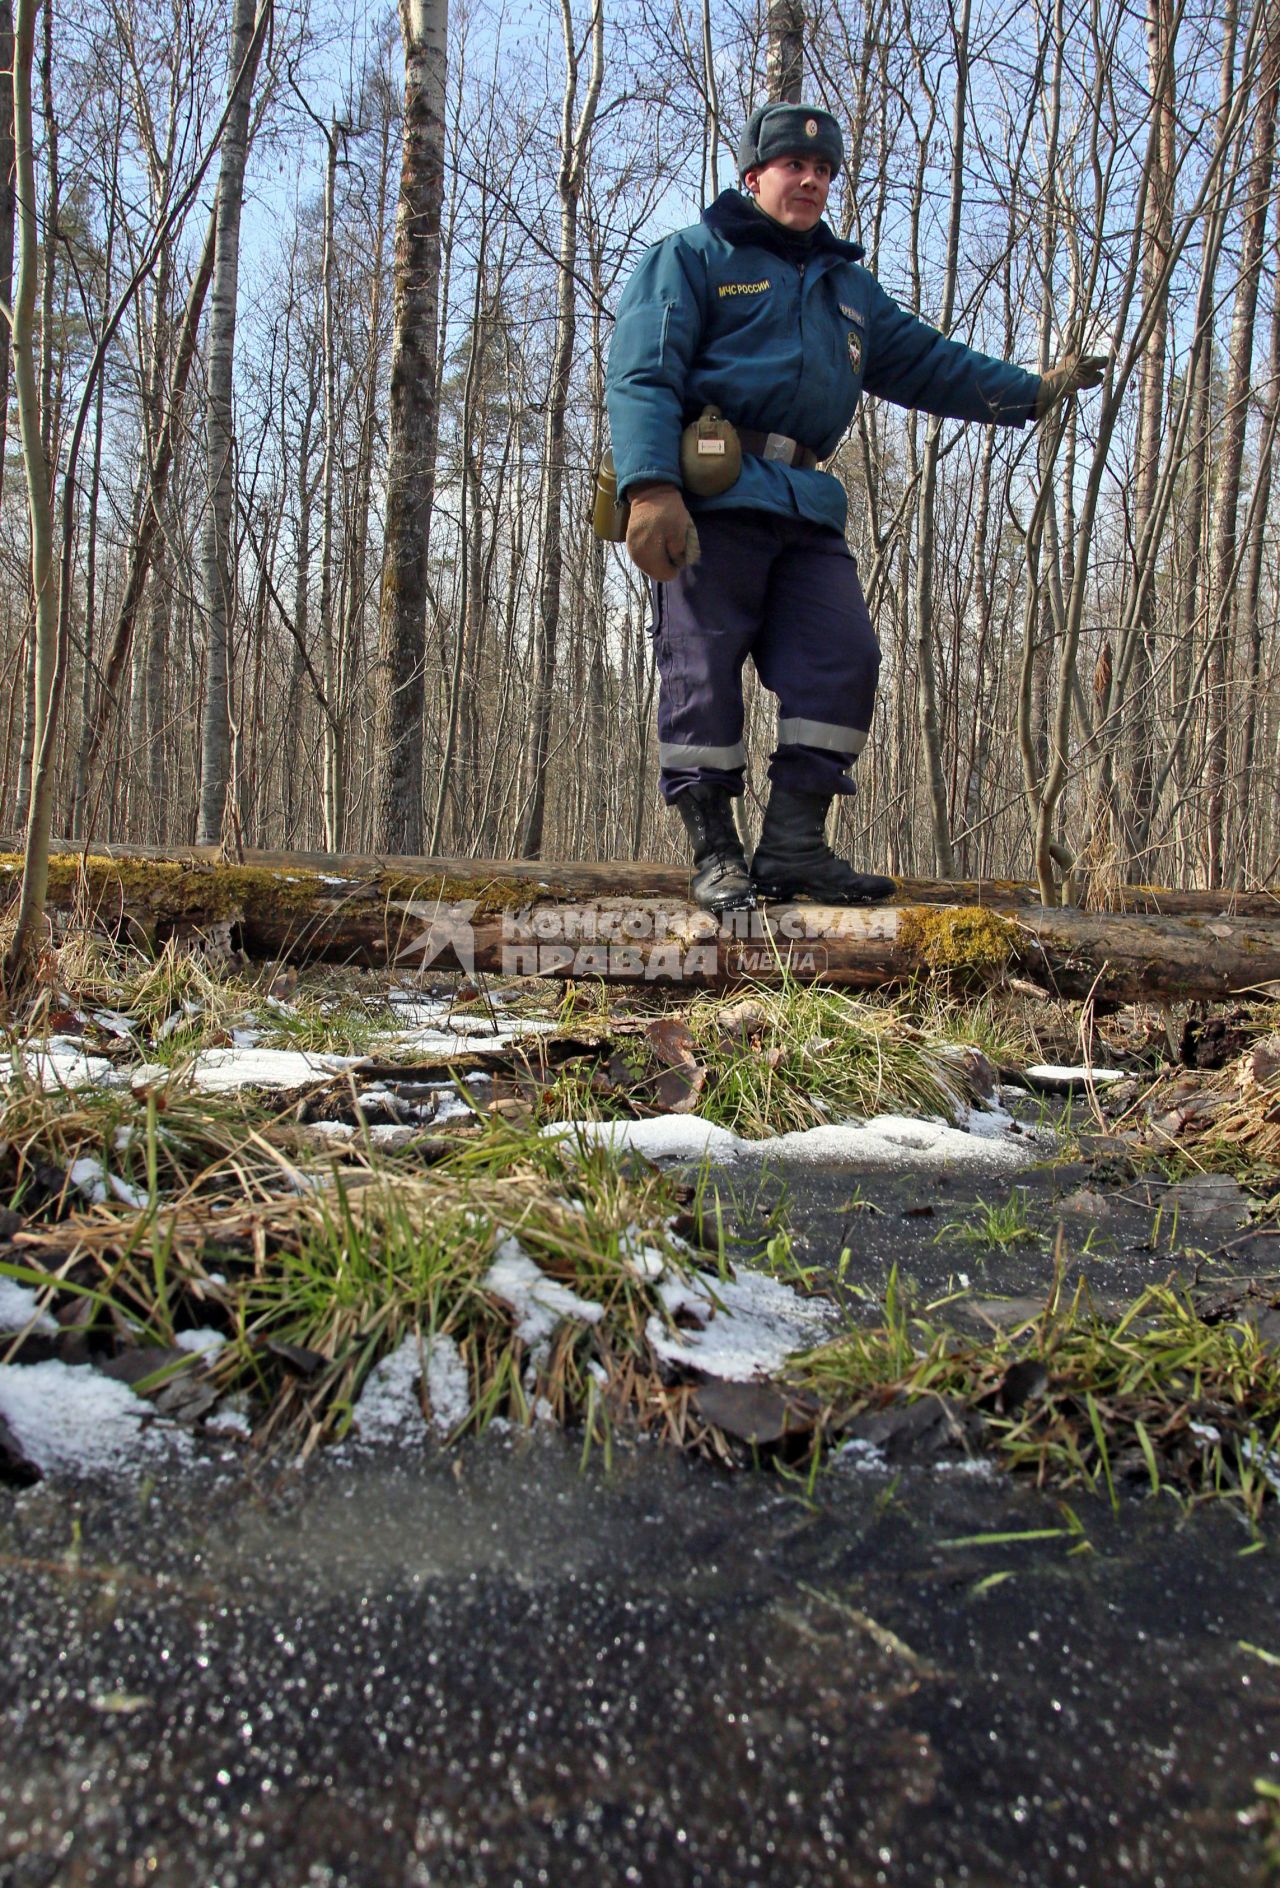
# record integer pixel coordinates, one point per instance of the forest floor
(402, 1285)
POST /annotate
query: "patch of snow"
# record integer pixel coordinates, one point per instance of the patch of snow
(205, 1342)
(448, 1384)
(887, 1140)
(539, 1302)
(150, 1075)
(246, 1038)
(862, 1455)
(378, 1095)
(87, 1176)
(388, 1134)
(221, 1071)
(660, 1137)
(69, 1419)
(97, 1186)
(230, 1418)
(432, 1031)
(388, 1402)
(988, 1123)
(19, 1307)
(1069, 1078)
(895, 1141)
(175, 1021)
(389, 1409)
(61, 1062)
(331, 1130)
(392, 1134)
(639, 1255)
(750, 1325)
(115, 1022)
(1266, 1461)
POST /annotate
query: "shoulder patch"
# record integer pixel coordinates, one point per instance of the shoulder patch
(853, 314)
(743, 288)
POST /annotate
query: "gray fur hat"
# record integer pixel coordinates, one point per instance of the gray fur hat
(789, 131)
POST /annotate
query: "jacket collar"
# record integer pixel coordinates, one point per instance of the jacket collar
(737, 220)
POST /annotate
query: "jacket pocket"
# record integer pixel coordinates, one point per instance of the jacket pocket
(640, 337)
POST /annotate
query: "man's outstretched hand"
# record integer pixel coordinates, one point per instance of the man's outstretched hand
(661, 538)
(1066, 378)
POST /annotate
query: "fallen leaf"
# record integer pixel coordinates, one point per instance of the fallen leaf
(677, 1091)
(753, 1412)
(671, 1041)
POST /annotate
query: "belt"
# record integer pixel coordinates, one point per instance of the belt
(777, 446)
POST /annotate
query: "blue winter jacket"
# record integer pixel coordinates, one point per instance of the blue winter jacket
(730, 312)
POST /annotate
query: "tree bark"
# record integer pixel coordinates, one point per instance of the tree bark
(6, 216)
(1162, 27)
(411, 443)
(1230, 458)
(218, 577)
(20, 958)
(784, 65)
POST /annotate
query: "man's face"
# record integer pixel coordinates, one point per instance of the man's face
(792, 190)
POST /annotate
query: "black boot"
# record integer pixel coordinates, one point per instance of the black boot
(793, 859)
(721, 881)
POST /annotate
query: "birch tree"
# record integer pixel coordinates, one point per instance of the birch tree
(218, 547)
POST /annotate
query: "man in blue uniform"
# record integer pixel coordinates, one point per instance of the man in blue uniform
(762, 312)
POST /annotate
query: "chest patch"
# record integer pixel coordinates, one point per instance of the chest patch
(855, 350)
(727, 289)
(852, 314)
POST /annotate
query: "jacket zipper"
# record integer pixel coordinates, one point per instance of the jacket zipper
(800, 268)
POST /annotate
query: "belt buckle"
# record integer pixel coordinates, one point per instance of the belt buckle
(778, 446)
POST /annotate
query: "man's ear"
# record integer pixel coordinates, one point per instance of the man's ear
(751, 178)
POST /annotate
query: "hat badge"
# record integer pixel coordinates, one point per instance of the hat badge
(811, 128)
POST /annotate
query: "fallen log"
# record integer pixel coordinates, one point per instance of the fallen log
(649, 879)
(412, 923)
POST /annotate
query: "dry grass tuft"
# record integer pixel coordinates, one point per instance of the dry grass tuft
(312, 1289)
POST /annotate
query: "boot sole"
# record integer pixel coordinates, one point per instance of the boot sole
(744, 901)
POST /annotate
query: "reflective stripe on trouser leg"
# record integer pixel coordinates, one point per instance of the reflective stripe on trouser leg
(818, 653)
(706, 620)
(674, 758)
(797, 731)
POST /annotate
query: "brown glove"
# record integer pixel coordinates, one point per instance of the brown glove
(661, 538)
(1069, 377)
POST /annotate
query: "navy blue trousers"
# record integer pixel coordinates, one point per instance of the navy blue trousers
(785, 593)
